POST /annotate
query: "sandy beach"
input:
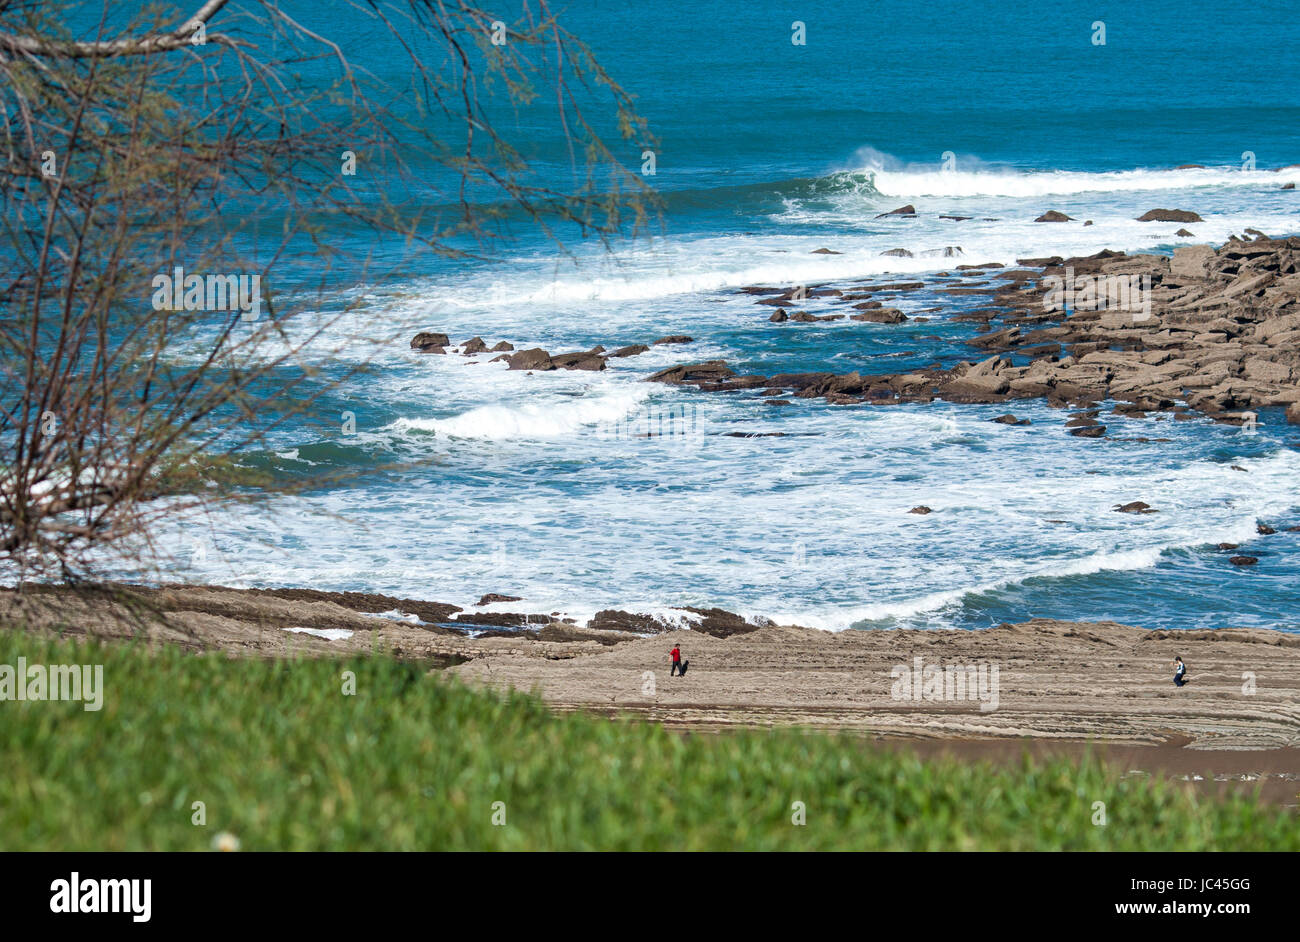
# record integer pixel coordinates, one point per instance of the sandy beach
(1060, 687)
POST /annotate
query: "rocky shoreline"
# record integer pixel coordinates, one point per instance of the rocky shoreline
(320, 610)
(535, 358)
(1218, 333)
(1214, 332)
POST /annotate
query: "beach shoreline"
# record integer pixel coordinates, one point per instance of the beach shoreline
(1051, 681)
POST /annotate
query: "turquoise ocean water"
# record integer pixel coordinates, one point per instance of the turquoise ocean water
(531, 485)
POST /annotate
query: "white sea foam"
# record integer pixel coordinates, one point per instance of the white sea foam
(917, 182)
(329, 634)
(1120, 561)
(535, 420)
(1002, 207)
(650, 527)
(395, 615)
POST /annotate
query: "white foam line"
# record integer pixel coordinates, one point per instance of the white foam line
(1020, 184)
(533, 420)
(329, 634)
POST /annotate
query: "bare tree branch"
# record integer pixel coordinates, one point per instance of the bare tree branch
(130, 158)
(179, 38)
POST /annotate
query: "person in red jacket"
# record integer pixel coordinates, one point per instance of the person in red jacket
(677, 661)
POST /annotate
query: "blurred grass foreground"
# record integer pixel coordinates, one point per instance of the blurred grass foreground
(192, 752)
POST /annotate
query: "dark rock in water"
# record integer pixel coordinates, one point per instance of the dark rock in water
(899, 286)
(847, 384)
(674, 338)
(957, 218)
(503, 346)
(710, 372)
(803, 317)
(425, 341)
(743, 382)
(922, 510)
(1169, 215)
(1228, 546)
(777, 402)
(1000, 339)
(1243, 560)
(800, 380)
(908, 210)
(1091, 431)
(898, 253)
(720, 623)
(1010, 419)
(431, 612)
(1045, 351)
(1135, 507)
(780, 317)
(1288, 186)
(494, 597)
(884, 315)
(1184, 234)
(474, 345)
(611, 619)
(1053, 216)
(632, 350)
(825, 251)
(784, 298)
(503, 619)
(1087, 222)
(1293, 413)
(1263, 529)
(1190, 167)
(534, 359)
(581, 360)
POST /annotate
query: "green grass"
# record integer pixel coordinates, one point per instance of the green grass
(283, 760)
